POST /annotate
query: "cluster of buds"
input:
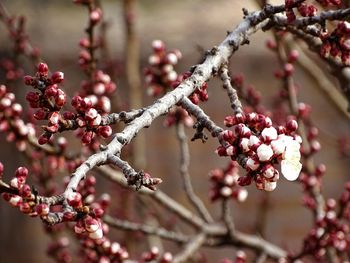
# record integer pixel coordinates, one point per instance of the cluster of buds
(160, 75)
(49, 99)
(59, 250)
(337, 43)
(10, 121)
(23, 198)
(258, 147)
(11, 71)
(329, 232)
(225, 183)
(88, 219)
(16, 29)
(98, 91)
(89, 118)
(87, 212)
(102, 250)
(154, 255)
(305, 10)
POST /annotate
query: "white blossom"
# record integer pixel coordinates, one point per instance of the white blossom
(264, 152)
(252, 164)
(254, 141)
(290, 165)
(244, 144)
(269, 133)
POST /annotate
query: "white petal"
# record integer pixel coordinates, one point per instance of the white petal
(292, 151)
(290, 169)
(278, 146)
(97, 234)
(269, 133)
(264, 152)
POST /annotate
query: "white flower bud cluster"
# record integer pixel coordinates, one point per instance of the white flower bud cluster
(263, 146)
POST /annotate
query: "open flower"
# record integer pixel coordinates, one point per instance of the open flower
(290, 165)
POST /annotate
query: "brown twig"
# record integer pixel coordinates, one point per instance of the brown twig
(184, 164)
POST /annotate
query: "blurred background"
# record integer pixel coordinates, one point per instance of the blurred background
(191, 26)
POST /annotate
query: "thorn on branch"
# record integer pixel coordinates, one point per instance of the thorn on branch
(245, 12)
(199, 132)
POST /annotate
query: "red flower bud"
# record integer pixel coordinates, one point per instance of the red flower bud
(43, 69)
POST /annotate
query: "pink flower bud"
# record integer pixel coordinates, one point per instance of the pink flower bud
(15, 200)
(230, 151)
(42, 209)
(104, 131)
(292, 125)
(99, 88)
(154, 60)
(229, 121)
(225, 191)
(91, 114)
(97, 120)
(25, 208)
(75, 199)
(268, 171)
(54, 117)
(57, 77)
(320, 169)
(25, 191)
(244, 144)
(293, 56)
(28, 80)
(87, 137)
(44, 138)
(158, 45)
(95, 15)
(228, 136)
(271, 44)
(78, 228)
(171, 58)
(91, 224)
(288, 69)
(84, 42)
(21, 172)
(43, 69)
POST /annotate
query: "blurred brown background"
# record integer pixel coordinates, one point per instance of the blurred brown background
(57, 26)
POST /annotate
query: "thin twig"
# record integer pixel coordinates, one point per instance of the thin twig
(227, 217)
(185, 161)
(146, 229)
(236, 105)
(192, 246)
